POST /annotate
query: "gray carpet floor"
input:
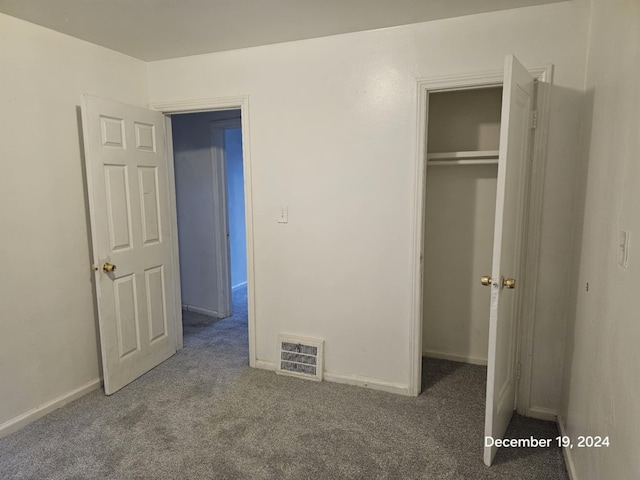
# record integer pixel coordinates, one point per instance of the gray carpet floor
(204, 414)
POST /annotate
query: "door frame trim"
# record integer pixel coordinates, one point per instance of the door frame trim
(219, 168)
(240, 102)
(533, 221)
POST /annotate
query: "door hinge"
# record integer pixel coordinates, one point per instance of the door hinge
(518, 370)
(534, 119)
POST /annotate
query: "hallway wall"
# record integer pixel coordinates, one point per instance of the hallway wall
(235, 202)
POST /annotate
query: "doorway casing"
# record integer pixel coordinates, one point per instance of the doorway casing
(533, 221)
(221, 214)
(206, 105)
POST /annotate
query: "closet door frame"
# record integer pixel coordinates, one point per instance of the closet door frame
(533, 220)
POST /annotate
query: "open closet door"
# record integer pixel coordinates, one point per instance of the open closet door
(126, 168)
(515, 135)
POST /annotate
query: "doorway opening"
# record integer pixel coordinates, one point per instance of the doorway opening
(463, 138)
(210, 208)
(461, 182)
(429, 90)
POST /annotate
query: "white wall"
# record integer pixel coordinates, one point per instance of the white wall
(333, 136)
(48, 340)
(196, 204)
(602, 381)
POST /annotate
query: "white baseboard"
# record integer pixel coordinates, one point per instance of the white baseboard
(238, 285)
(366, 382)
(567, 452)
(204, 311)
(34, 414)
(543, 413)
(455, 357)
(262, 365)
(357, 380)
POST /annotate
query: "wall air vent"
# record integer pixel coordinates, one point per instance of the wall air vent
(300, 357)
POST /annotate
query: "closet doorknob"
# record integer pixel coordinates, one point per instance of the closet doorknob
(509, 282)
(485, 280)
(108, 267)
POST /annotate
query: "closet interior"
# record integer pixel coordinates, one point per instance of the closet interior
(462, 165)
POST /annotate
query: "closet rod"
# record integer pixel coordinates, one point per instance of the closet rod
(465, 154)
(451, 163)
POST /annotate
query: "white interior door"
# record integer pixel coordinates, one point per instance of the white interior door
(515, 133)
(126, 166)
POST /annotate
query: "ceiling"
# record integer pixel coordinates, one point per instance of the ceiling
(160, 29)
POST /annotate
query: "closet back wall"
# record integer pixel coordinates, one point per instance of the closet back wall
(458, 246)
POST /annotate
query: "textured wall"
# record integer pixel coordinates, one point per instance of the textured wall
(601, 382)
(333, 136)
(49, 343)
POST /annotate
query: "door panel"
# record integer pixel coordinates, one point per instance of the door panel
(112, 132)
(145, 137)
(126, 315)
(148, 185)
(118, 206)
(514, 154)
(156, 308)
(127, 178)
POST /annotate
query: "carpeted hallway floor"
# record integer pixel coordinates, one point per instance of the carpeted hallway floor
(203, 414)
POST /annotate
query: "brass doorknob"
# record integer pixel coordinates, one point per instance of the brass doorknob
(485, 280)
(108, 267)
(509, 283)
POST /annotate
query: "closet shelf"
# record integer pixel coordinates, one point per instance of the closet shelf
(481, 157)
